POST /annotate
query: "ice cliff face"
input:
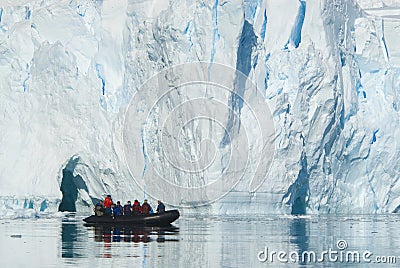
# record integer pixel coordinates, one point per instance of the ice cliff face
(329, 71)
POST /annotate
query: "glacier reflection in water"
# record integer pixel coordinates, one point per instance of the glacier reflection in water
(194, 241)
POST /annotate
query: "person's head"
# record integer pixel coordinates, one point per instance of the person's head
(129, 202)
(101, 202)
(109, 196)
(112, 205)
(145, 201)
(136, 201)
(159, 201)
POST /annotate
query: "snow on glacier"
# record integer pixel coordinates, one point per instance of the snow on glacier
(330, 70)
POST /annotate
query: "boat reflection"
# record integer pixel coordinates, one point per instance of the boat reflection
(135, 234)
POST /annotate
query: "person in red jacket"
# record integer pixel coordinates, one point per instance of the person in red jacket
(108, 202)
(146, 208)
(136, 208)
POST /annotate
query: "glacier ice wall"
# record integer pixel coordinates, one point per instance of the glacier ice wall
(329, 70)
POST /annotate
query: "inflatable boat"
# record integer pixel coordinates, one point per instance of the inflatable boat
(156, 219)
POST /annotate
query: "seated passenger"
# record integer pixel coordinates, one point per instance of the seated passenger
(99, 208)
(146, 208)
(108, 211)
(136, 208)
(119, 206)
(115, 210)
(127, 208)
(160, 207)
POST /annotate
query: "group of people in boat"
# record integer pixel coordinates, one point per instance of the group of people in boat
(108, 207)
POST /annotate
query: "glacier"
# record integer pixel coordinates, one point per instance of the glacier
(328, 70)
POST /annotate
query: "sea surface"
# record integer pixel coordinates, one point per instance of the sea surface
(205, 241)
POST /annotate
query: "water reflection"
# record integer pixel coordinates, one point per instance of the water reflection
(71, 237)
(209, 241)
(135, 234)
(299, 236)
(74, 238)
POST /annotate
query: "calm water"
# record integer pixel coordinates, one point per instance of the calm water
(199, 242)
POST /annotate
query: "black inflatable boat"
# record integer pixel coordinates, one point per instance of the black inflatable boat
(156, 219)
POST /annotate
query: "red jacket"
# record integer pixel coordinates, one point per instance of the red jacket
(108, 202)
(146, 208)
(136, 208)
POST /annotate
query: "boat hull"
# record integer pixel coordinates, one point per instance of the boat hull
(156, 219)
